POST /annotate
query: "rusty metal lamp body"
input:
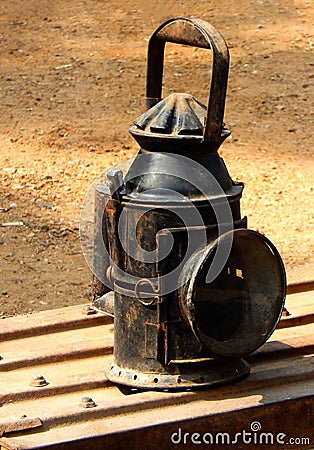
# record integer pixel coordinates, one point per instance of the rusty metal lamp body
(182, 331)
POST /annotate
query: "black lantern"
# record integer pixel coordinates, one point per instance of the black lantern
(191, 289)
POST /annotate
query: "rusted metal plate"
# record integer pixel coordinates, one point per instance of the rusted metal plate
(73, 362)
(304, 286)
(19, 425)
(46, 322)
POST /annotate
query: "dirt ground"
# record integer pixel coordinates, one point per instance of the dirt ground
(72, 79)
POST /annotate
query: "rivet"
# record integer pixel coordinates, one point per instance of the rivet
(38, 381)
(88, 310)
(285, 313)
(87, 402)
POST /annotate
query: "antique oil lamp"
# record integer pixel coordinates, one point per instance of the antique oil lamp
(191, 289)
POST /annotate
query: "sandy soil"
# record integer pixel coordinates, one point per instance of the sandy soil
(72, 80)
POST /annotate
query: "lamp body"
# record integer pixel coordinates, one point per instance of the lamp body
(191, 289)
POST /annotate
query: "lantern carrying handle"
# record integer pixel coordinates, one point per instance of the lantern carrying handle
(196, 33)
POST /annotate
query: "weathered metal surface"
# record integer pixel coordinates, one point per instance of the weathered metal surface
(279, 392)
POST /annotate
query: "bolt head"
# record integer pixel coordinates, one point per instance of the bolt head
(88, 310)
(38, 381)
(285, 313)
(87, 402)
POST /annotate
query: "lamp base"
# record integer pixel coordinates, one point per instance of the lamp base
(182, 376)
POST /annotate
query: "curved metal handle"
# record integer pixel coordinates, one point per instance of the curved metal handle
(197, 33)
